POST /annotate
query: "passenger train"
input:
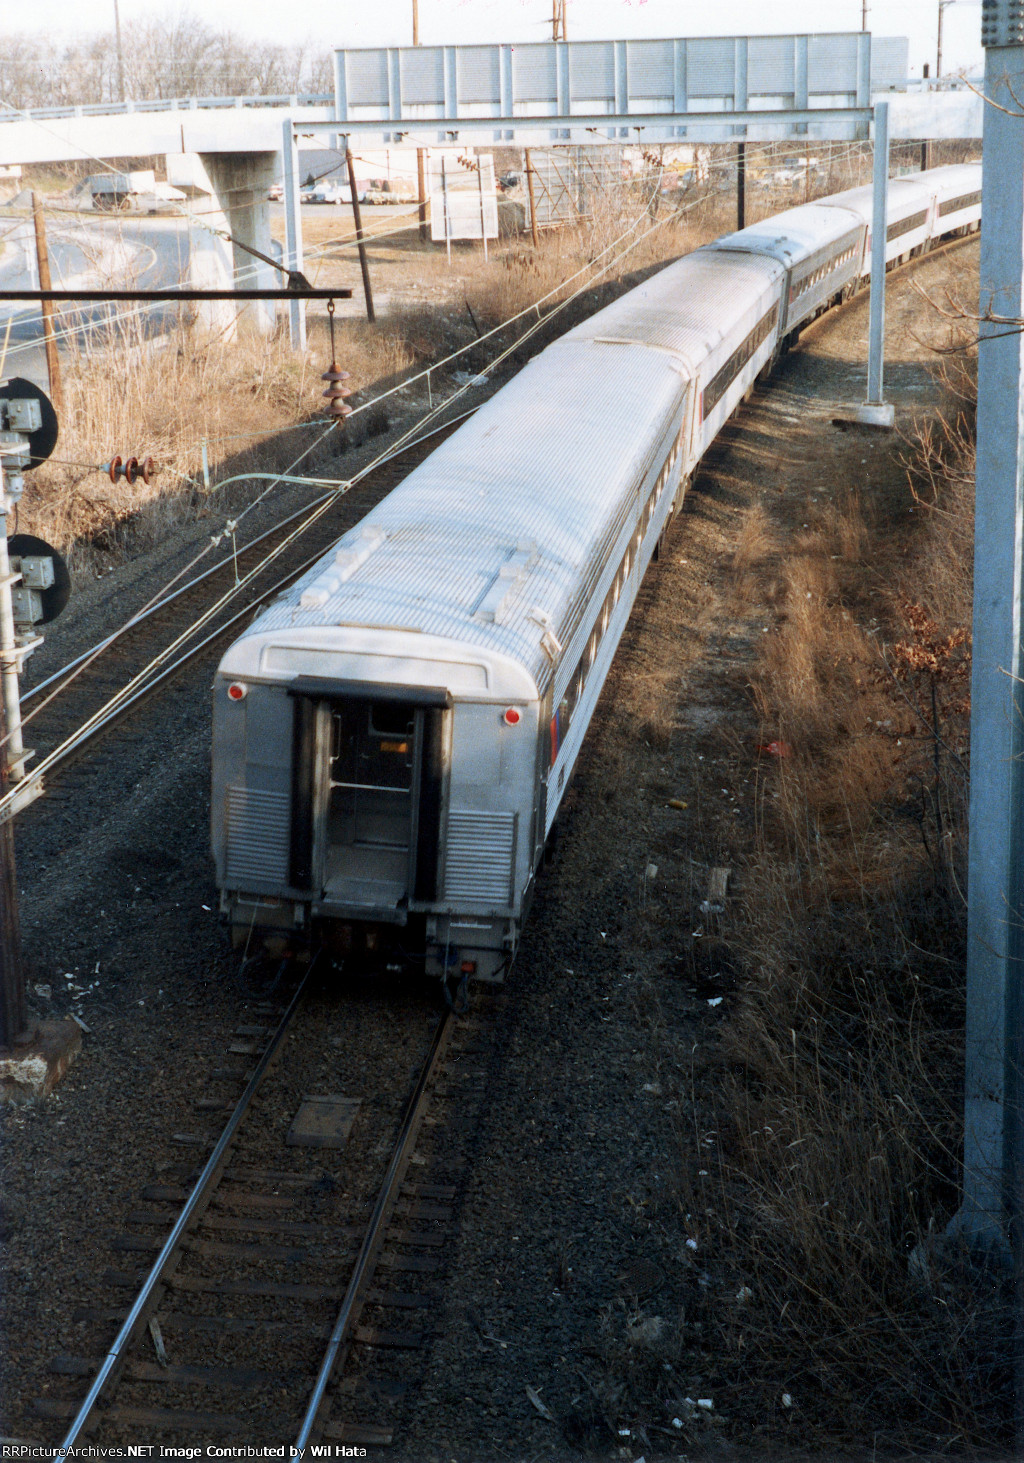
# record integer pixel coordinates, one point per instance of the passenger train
(392, 737)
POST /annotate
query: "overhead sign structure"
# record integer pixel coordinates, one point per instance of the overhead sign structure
(587, 91)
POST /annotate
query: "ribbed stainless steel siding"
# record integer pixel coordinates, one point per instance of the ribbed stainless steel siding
(546, 462)
(906, 196)
(795, 234)
(687, 308)
(258, 836)
(479, 857)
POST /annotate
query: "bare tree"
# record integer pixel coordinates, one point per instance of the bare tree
(174, 55)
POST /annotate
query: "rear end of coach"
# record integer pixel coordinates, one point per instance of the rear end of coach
(391, 823)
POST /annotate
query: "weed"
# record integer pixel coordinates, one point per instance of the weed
(836, 1083)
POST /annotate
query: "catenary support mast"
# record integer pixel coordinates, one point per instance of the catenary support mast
(995, 935)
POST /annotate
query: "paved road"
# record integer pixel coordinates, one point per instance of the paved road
(90, 250)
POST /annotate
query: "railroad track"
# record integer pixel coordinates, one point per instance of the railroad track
(113, 663)
(120, 662)
(281, 1276)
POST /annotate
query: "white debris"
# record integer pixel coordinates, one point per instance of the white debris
(44, 992)
(714, 1000)
(706, 907)
(787, 1400)
(677, 1422)
(705, 1404)
(651, 871)
(691, 1244)
(744, 1294)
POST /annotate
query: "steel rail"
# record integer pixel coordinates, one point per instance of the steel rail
(193, 1208)
(130, 624)
(374, 1236)
(167, 671)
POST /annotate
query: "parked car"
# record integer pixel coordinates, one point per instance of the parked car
(327, 191)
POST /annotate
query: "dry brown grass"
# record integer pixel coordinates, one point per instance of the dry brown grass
(838, 1111)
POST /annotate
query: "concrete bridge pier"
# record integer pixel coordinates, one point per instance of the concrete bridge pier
(228, 195)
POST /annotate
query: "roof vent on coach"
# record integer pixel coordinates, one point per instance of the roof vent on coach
(353, 553)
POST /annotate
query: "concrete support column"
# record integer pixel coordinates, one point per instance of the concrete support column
(228, 196)
(293, 230)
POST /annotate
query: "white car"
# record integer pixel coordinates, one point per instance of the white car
(327, 192)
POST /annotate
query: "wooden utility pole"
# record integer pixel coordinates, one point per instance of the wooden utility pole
(357, 216)
(533, 200)
(938, 40)
(421, 170)
(120, 51)
(45, 283)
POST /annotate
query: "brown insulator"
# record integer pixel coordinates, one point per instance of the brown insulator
(131, 471)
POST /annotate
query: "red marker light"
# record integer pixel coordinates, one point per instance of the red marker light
(512, 717)
(236, 691)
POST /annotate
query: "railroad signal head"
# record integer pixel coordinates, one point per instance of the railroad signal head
(25, 409)
(46, 580)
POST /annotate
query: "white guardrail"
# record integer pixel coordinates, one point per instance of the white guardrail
(169, 104)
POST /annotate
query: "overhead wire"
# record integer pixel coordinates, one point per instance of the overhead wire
(149, 671)
(316, 513)
(36, 775)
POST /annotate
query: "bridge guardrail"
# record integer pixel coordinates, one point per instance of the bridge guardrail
(168, 104)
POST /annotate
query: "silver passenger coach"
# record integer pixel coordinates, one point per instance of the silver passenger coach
(392, 737)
